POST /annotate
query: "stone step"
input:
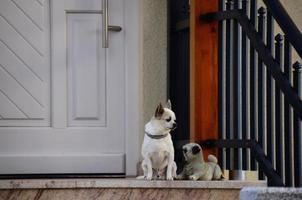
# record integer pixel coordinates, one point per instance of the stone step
(270, 193)
(117, 188)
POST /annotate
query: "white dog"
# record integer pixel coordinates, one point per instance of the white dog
(157, 148)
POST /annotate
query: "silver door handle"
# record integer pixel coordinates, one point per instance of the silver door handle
(106, 27)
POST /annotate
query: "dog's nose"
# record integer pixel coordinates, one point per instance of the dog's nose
(174, 125)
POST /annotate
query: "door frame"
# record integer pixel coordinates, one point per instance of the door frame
(133, 65)
(203, 74)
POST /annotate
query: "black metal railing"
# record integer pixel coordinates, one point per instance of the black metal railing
(260, 88)
(257, 154)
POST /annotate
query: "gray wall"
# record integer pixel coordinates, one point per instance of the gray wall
(154, 57)
(294, 8)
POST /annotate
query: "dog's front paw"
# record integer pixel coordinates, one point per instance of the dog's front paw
(179, 177)
(149, 178)
(169, 178)
(193, 177)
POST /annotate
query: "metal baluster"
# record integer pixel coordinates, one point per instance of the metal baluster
(261, 87)
(297, 128)
(288, 118)
(279, 110)
(229, 83)
(222, 86)
(236, 88)
(245, 90)
(253, 83)
(270, 92)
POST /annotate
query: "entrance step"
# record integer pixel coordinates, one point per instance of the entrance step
(117, 188)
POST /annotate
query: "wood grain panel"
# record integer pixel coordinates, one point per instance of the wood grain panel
(23, 24)
(21, 74)
(22, 49)
(203, 73)
(24, 63)
(8, 110)
(16, 94)
(33, 10)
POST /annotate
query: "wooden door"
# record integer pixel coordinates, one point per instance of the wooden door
(62, 96)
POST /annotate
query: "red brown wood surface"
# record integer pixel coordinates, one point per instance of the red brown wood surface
(204, 73)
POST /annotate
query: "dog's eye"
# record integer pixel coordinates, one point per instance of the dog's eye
(169, 119)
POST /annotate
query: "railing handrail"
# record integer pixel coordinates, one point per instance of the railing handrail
(261, 87)
(273, 178)
(263, 53)
(286, 23)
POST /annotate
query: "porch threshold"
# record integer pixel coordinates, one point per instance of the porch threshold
(124, 183)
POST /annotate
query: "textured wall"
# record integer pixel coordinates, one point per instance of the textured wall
(154, 56)
(294, 8)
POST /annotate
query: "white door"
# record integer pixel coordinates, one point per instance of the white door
(62, 96)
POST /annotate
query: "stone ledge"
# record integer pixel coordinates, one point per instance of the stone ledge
(271, 193)
(124, 183)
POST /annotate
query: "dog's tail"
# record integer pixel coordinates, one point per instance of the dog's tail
(212, 158)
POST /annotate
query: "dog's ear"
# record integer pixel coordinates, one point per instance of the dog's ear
(168, 104)
(195, 150)
(159, 111)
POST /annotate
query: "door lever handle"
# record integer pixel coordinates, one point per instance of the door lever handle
(114, 28)
(106, 27)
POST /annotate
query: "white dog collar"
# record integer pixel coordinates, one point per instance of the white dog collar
(156, 136)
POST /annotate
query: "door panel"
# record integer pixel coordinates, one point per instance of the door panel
(24, 64)
(18, 17)
(86, 71)
(34, 10)
(64, 164)
(83, 83)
